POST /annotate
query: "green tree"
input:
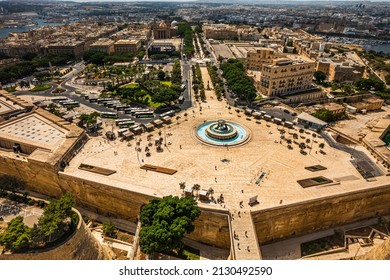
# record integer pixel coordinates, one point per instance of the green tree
(17, 235)
(109, 229)
(387, 78)
(56, 217)
(319, 76)
(165, 222)
(11, 183)
(165, 95)
(161, 75)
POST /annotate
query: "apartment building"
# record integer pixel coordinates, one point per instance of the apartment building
(220, 32)
(103, 45)
(123, 46)
(257, 58)
(77, 48)
(285, 76)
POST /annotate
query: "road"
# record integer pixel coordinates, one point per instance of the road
(187, 80)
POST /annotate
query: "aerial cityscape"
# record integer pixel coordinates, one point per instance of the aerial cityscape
(194, 130)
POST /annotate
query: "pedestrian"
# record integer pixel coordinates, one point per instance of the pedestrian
(215, 167)
(242, 191)
(246, 234)
(180, 147)
(215, 179)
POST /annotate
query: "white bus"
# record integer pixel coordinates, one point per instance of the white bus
(109, 115)
(144, 115)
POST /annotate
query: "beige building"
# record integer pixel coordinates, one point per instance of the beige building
(163, 30)
(220, 32)
(371, 103)
(345, 72)
(103, 45)
(286, 76)
(74, 47)
(257, 58)
(342, 68)
(123, 46)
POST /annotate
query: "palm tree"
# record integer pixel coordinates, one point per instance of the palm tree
(196, 187)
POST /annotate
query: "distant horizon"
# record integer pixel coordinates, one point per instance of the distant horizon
(210, 1)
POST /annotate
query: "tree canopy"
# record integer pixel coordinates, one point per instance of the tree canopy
(165, 95)
(55, 214)
(319, 76)
(238, 81)
(165, 222)
(17, 235)
(368, 84)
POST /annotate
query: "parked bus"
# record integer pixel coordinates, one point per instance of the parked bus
(122, 107)
(170, 113)
(111, 104)
(126, 124)
(93, 99)
(102, 100)
(109, 115)
(59, 99)
(137, 110)
(121, 120)
(71, 103)
(131, 109)
(144, 115)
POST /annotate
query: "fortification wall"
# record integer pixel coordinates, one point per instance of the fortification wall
(318, 214)
(80, 246)
(40, 176)
(212, 226)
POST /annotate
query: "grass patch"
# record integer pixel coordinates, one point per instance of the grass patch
(190, 253)
(154, 104)
(10, 89)
(132, 85)
(41, 87)
(167, 83)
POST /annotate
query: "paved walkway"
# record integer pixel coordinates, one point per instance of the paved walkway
(244, 236)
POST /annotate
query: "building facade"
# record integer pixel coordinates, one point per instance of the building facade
(103, 45)
(257, 58)
(286, 76)
(163, 30)
(123, 46)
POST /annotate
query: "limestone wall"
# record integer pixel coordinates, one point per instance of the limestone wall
(80, 246)
(212, 228)
(40, 176)
(314, 215)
